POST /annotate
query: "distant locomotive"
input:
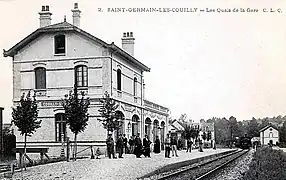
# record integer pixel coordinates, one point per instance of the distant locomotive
(243, 142)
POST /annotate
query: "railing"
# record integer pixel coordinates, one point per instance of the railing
(155, 106)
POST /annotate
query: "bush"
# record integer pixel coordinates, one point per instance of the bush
(267, 164)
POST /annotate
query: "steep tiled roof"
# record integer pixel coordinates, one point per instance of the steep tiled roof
(65, 26)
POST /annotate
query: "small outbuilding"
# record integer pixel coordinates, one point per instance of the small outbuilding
(269, 134)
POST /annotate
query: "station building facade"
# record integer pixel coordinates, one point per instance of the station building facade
(54, 57)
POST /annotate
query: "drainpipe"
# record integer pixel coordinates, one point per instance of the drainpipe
(111, 69)
(142, 120)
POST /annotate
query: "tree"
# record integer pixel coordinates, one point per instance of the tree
(221, 130)
(76, 111)
(183, 117)
(24, 116)
(282, 134)
(109, 118)
(265, 122)
(187, 131)
(253, 128)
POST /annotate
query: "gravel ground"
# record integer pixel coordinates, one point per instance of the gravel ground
(236, 170)
(104, 169)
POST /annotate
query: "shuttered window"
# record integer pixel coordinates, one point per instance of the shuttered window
(40, 78)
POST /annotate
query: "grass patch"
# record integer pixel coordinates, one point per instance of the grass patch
(267, 164)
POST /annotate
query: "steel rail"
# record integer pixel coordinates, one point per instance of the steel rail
(213, 171)
(185, 168)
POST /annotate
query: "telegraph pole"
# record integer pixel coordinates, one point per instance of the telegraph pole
(1, 133)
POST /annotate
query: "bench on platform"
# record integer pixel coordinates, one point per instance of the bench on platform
(42, 151)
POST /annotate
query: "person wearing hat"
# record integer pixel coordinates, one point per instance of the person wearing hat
(167, 146)
(138, 146)
(120, 145)
(110, 146)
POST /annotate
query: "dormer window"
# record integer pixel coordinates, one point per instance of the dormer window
(60, 44)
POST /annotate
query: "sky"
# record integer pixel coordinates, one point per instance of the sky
(204, 64)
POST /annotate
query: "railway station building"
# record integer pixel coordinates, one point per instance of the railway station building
(54, 57)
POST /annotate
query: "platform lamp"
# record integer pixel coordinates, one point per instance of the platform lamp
(62, 137)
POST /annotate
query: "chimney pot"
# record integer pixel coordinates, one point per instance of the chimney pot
(45, 16)
(128, 42)
(76, 15)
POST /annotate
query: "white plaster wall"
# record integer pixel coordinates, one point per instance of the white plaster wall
(43, 48)
(128, 71)
(264, 136)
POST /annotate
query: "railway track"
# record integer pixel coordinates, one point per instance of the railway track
(202, 170)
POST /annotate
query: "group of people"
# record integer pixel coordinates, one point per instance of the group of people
(134, 145)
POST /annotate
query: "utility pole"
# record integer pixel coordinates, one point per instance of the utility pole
(1, 133)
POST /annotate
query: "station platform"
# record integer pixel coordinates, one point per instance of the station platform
(125, 168)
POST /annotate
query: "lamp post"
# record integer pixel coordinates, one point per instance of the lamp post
(62, 137)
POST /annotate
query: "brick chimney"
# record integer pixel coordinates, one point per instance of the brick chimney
(128, 43)
(76, 15)
(45, 16)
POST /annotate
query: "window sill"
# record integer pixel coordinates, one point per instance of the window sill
(119, 93)
(60, 54)
(82, 88)
(41, 92)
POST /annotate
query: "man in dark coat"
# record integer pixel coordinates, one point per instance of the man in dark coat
(125, 143)
(189, 145)
(120, 145)
(131, 144)
(174, 144)
(146, 146)
(157, 145)
(110, 146)
(167, 146)
(138, 146)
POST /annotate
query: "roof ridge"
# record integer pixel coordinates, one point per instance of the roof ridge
(70, 27)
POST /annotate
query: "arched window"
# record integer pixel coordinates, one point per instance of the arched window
(81, 76)
(135, 86)
(60, 44)
(61, 127)
(40, 78)
(119, 79)
(135, 125)
(148, 126)
(155, 129)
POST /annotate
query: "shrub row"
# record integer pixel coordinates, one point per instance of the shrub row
(267, 164)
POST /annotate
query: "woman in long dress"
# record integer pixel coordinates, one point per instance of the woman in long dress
(157, 145)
